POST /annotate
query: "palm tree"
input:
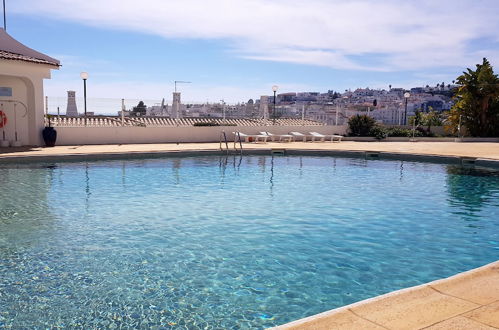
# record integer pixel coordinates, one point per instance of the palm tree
(478, 100)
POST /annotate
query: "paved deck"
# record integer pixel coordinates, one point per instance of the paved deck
(473, 150)
(468, 300)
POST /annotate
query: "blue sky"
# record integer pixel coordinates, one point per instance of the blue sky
(236, 50)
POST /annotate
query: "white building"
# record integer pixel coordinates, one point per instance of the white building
(71, 110)
(264, 107)
(176, 111)
(22, 71)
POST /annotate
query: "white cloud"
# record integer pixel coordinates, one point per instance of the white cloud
(403, 35)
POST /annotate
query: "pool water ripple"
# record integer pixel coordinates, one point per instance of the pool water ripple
(225, 243)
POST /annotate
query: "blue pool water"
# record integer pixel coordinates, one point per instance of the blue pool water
(215, 242)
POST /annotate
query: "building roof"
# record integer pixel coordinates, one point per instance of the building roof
(149, 121)
(11, 49)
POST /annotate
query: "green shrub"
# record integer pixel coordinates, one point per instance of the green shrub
(378, 132)
(398, 132)
(361, 125)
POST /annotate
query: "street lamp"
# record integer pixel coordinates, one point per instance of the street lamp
(223, 109)
(84, 76)
(406, 96)
(274, 89)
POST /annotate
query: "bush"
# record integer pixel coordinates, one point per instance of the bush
(404, 132)
(399, 132)
(378, 132)
(361, 125)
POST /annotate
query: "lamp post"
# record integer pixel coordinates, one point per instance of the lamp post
(4, 18)
(274, 89)
(84, 76)
(223, 110)
(406, 96)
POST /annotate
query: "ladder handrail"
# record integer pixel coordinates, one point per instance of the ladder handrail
(238, 136)
(225, 140)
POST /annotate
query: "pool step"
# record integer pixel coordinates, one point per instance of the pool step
(274, 152)
(468, 161)
(371, 154)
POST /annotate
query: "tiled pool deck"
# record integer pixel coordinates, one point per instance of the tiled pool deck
(472, 150)
(468, 300)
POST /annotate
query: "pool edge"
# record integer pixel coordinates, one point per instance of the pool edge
(352, 315)
(368, 154)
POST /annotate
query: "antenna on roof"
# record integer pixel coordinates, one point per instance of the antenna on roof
(4, 17)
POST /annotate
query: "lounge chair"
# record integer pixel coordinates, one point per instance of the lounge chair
(281, 137)
(322, 137)
(254, 137)
(299, 135)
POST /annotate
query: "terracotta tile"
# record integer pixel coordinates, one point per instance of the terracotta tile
(481, 287)
(414, 308)
(459, 323)
(342, 320)
(487, 314)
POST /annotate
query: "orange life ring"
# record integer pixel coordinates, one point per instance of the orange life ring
(3, 119)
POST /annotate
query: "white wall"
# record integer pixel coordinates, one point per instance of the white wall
(26, 80)
(17, 116)
(129, 135)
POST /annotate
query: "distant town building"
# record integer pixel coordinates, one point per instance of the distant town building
(264, 107)
(332, 108)
(176, 112)
(71, 110)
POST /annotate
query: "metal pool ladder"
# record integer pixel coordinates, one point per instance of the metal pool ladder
(238, 135)
(224, 143)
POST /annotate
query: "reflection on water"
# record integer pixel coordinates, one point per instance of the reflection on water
(24, 203)
(471, 188)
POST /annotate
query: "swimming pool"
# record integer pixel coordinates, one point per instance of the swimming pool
(230, 242)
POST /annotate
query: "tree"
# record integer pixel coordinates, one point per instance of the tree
(417, 119)
(430, 119)
(361, 125)
(477, 101)
(139, 110)
(427, 119)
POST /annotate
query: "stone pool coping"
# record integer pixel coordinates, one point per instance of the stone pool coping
(468, 300)
(478, 153)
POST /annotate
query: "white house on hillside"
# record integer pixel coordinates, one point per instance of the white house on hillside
(22, 71)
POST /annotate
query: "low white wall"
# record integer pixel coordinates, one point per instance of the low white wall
(129, 135)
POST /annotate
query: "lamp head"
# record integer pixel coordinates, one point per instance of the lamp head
(275, 88)
(407, 95)
(84, 75)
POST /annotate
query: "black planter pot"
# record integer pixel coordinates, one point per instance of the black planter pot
(49, 136)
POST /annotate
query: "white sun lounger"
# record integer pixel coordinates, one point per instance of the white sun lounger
(299, 135)
(322, 137)
(281, 137)
(254, 137)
